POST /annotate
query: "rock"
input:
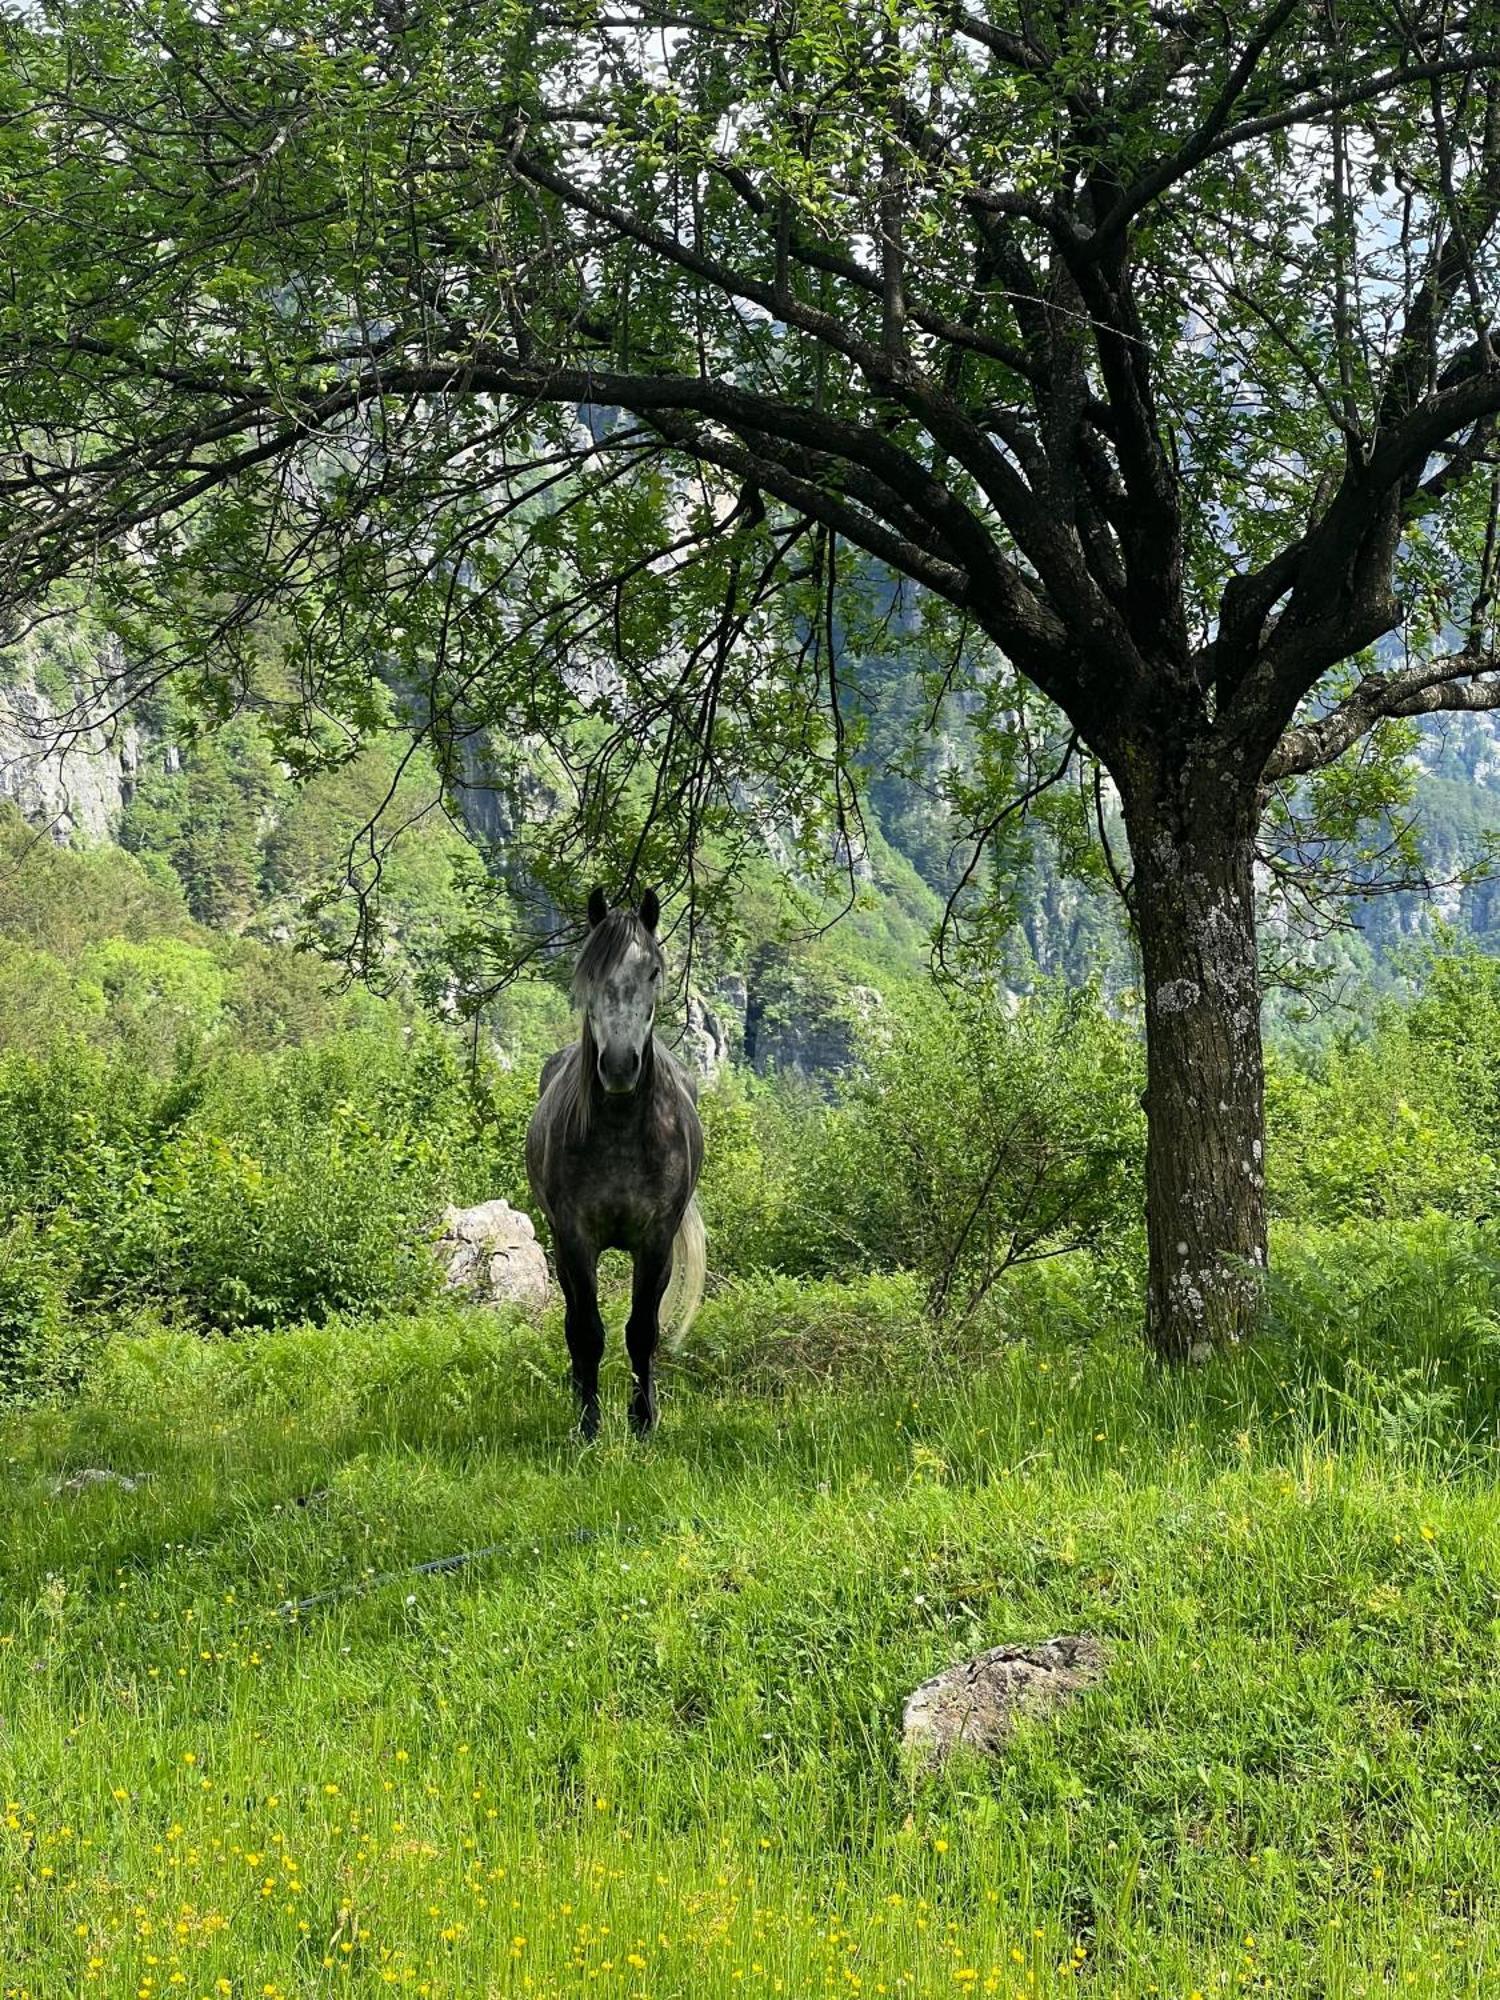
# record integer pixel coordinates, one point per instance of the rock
(67, 774)
(733, 996)
(490, 1252)
(975, 1702)
(97, 1475)
(705, 1042)
(800, 1020)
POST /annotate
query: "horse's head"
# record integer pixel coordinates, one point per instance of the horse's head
(616, 984)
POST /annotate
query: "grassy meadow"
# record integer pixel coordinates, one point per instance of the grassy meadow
(650, 1744)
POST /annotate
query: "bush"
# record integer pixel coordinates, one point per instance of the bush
(977, 1139)
(970, 1140)
(762, 1139)
(311, 1222)
(244, 1191)
(43, 1345)
(1389, 1332)
(1402, 1122)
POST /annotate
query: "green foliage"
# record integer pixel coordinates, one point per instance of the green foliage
(661, 1712)
(41, 997)
(99, 943)
(1454, 1023)
(1394, 1329)
(1400, 1121)
(761, 1139)
(207, 819)
(157, 995)
(250, 1191)
(60, 899)
(357, 857)
(278, 998)
(43, 1343)
(975, 1138)
(371, 828)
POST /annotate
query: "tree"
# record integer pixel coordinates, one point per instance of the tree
(1154, 350)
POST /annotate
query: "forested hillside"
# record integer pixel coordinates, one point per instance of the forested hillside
(371, 867)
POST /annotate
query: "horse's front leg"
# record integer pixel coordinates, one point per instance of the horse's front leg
(653, 1267)
(577, 1273)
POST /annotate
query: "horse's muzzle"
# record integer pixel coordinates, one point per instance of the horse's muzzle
(619, 1073)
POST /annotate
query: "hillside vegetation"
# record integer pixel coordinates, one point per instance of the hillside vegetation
(195, 1132)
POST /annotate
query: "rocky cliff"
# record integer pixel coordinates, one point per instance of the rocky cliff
(69, 779)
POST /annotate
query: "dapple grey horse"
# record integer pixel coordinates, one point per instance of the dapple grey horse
(613, 1153)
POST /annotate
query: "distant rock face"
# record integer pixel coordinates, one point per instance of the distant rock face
(976, 1702)
(70, 781)
(491, 1255)
(798, 1022)
(705, 1040)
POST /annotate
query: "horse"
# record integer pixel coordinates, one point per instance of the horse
(613, 1152)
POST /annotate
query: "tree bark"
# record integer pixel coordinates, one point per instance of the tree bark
(1192, 846)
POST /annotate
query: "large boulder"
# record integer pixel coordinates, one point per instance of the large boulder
(491, 1255)
(975, 1702)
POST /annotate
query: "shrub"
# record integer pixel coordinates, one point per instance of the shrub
(1402, 1122)
(1454, 1026)
(761, 1141)
(1388, 1331)
(977, 1139)
(247, 1191)
(43, 1345)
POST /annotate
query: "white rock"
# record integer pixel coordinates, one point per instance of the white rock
(490, 1252)
(98, 1475)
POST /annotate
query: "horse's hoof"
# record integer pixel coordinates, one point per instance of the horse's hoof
(588, 1422)
(643, 1416)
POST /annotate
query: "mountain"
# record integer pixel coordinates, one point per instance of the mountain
(257, 857)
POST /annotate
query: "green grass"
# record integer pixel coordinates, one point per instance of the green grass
(651, 1747)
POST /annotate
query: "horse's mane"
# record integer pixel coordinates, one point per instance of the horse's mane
(605, 947)
(573, 1085)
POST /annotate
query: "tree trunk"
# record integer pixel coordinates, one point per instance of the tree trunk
(1205, 1092)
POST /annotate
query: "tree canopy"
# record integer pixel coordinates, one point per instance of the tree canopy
(503, 346)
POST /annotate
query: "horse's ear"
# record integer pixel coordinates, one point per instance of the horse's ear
(598, 909)
(650, 909)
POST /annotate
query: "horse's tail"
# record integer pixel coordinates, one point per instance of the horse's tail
(689, 1268)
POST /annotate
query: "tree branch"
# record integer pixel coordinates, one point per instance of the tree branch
(1453, 684)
